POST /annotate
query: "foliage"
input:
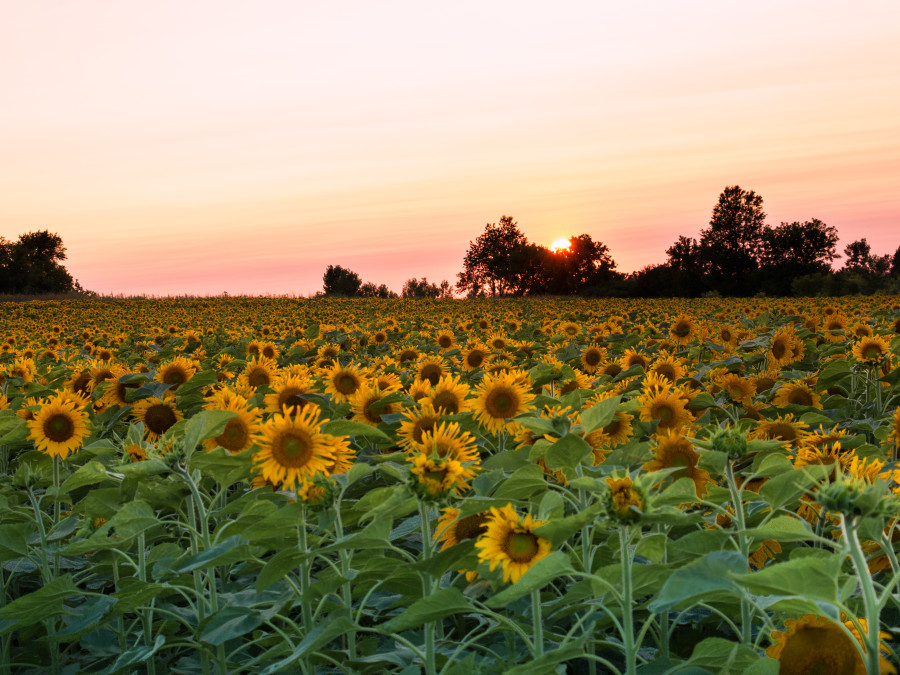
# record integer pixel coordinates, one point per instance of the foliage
(421, 288)
(32, 265)
(339, 280)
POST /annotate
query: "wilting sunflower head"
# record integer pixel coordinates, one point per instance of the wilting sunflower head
(435, 478)
(625, 501)
(511, 543)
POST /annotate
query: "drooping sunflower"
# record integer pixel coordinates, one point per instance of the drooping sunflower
(783, 428)
(58, 428)
(500, 397)
(438, 477)
(292, 447)
(623, 498)
(449, 396)
(287, 392)
(814, 644)
(871, 350)
(158, 415)
(797, 393)
(451, 529)
(343, 381)
(614, 434)
(674, 450)
(510, 542)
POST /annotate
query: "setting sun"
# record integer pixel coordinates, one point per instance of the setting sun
(561, 244)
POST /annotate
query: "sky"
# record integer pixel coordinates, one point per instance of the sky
(239, 146)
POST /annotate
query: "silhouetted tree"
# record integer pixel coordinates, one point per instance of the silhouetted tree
(419, 288)
(583, 268)
(730, 248)
(858, 254)
(370, 290)
(32, 265)
(494, 261)
(686, 273)
(445, 290)
(895, 263)
(339, 280)
(796, 249)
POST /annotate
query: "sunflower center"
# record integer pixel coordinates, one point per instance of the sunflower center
(159, 418)
(293, 449)
(437, 475)
(291, 398)
(445, 341)
(258, 377)
(778, 349)
(800, 397)
(235, 435)
(432, 373)
(175, 377)
(501, 403)
(521, 546)
(872, 352)
(475, 358)
(59, 428)
(471, 526)
(421, 426)
(592, 358)
(681, 328)
(446, 402)
(346, 384)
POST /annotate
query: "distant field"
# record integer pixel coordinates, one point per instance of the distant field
(258, 485)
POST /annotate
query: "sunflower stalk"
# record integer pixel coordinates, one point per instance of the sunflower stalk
(427, 588)
(147, 614)
(743, 544)
(627, 604)
(345, 573)
(871, 606)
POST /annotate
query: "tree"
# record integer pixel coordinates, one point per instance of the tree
(732, 245)
(414, 288)
(339, 280)
(858, 255)
(370, 290)
(32, 265)
(583, 267)
(793, 250)
(895, 264)
(495, 261)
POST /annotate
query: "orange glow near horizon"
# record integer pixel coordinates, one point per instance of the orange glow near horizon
(207, 147)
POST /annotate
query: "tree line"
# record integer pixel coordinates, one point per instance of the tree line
(738, 254)
(32, 265)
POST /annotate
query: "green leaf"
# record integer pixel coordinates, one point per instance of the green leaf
(559, 530)
(814, 578)
(448, 559)
(712, 572)
(721, 656)
(523, 483)
(782, 529)
(540, 574)
(146, 390)
(278, 566)
(787, 488)
(226, 469)
(86, 616)
(349, 428)
(233, 549)
(204, 378)
(652, 546)
(442, 603)
(600, 415)
(702, 401)
(90, 474)
(13, 430)
(359, 471)
(132, 657)
(43, 603)
(229, 623)
(682, 491)
(318, 637)
(204, 425)
(14, 540)
(567, 453)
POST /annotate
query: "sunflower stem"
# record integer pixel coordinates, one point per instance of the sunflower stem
(870, 602)
(537, 624)
(427, 588)
(147, 614)
(744, 545)
(627, 609)
(57, 511)
(345, 573)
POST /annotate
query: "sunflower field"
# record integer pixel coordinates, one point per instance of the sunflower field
(266, 485)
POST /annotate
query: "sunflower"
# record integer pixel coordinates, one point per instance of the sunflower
(624, 500)
(447, 439)
(609, 367)
(510, 541)
(343, 381)
(158, 415)
(449, 396)
(239, 431)
(739, 389)
(796, 393)
(871, 350)
(474, 356)
(591, 358)
(287, 392)
(633, 357)
(451, 529)
(835, 327)
(437, 477)
(783, 348)
(668, 408)
(417, 422)
(767, 551)
(367, 407)
(614, 434)
(58, 428)
(674, 450)
(259, 372)
(292, 447)
(500, 397)
(814, 644)
(667, 367)
(682, 330)
(431, 368)
(783, 428)
(407, 354)
(832, 456)
(445, 340)
(80, 381)
(102, 372)
(176, 372)
(136, 452)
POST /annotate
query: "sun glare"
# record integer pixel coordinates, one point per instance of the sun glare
(561, 244)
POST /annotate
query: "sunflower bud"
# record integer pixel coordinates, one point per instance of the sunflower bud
(855, 498)
(731, 441)
(625, 501)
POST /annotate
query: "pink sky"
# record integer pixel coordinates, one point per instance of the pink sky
(202, 147)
